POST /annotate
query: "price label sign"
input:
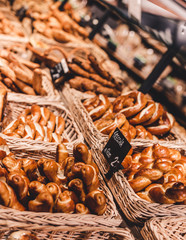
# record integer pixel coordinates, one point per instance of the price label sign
(59, 70)
(134, 9)
(115, 151)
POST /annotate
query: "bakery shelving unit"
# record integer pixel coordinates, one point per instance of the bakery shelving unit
(168, 38)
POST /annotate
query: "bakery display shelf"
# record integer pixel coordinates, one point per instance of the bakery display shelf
(16, 103)
(147, 24)
(165, 228)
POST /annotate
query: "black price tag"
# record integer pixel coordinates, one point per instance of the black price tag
(21, 13)
(115, 151)
(59, 70)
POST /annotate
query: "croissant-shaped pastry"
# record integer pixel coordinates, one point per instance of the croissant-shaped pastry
(96, 202)
(82, 209)
(76, 185)
(20, 185)
(22, 235)
(43, 202)
(64, 203)
(8, 197)
(62, 153)
(90, 178)
(54, 189)
(36, 188)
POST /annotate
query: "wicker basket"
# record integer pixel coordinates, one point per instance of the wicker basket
(135, 208)
(92, 135)
(16, 103)
(65, 222)
(67, 233)
(167, 228)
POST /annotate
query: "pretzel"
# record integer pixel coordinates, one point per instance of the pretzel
(101, 108)
(163, 126)
(130, 103)
(156, 115)
(144, 115)
(109, 123)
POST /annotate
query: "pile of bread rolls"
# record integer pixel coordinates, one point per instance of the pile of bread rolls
(157, 174)
(68, 185)
(135, 115)
(37, 123)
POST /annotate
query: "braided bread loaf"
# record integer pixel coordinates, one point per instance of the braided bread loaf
(160, 172)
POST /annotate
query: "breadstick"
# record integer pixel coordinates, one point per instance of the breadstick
(24, 88)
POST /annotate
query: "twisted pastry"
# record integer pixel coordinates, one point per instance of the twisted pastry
(12, 164)
(90, 178)
(82, 154)
(130, 103)
(31, 169)
(51, 122)
(8, 197)
(30, 130)
(64, 203)
(20, 185)
(96, 202)
(77, 186)
(36, 187)
(39, 132)
(42, 203)
(52, 171)
(35, 113)
(60, 125)
(45, 115)
(81, 208)
(62, 153)
(54, 189)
